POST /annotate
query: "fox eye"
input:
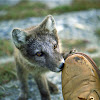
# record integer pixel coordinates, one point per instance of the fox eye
(39, 54)
(55, 46)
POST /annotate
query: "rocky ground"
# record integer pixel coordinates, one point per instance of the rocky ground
(74, 25)
(12, 89)
(77, 25)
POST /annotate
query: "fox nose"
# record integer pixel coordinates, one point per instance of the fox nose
(61, 66)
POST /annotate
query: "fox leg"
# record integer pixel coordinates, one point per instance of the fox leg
(43, 87)
(22, 76)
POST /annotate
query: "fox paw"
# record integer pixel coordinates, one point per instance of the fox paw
(22, 97)
(53, 88)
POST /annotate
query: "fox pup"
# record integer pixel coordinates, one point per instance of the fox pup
(37, 51)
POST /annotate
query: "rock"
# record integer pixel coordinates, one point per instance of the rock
(78, 24)
(9, 2)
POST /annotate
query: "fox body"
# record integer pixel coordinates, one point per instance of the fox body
(37, 51)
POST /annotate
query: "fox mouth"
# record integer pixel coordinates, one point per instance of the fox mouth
(60, 67)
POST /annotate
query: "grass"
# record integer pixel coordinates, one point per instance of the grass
(92, 50)
(77, 5)
(97, 32)
(29, 9)
(97, 61)
(23, 10)
(6, 48)
(70, 44)
(2, 94)
(7, 72)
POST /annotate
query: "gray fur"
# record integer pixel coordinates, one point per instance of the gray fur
(31, 42)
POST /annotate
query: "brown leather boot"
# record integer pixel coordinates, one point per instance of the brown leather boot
(80, 78)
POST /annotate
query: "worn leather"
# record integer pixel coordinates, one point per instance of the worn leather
(80, 78)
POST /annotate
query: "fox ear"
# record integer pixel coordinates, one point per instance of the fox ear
(19, 37)
(49, 23)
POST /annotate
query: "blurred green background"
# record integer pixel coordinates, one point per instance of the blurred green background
(26, 8)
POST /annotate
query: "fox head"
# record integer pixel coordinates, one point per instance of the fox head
(39, 45)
